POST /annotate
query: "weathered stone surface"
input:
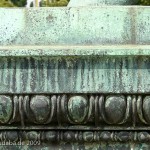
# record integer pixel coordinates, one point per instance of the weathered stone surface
(75, 26)
(71, 69)
(75, 96)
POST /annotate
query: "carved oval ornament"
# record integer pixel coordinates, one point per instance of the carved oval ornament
(146, 109)
(40, 107)
(78, 108)
(115, 108)
(6, 108)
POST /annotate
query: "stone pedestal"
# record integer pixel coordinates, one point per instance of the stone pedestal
(77, 3)
(75, 78)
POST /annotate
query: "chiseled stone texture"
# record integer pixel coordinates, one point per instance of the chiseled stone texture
(75, 26)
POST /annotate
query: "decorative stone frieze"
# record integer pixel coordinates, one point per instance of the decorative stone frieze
(63, 110)
(76, 77)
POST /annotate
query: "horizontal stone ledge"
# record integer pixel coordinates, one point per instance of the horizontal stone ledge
(79, 25)
(72, 50)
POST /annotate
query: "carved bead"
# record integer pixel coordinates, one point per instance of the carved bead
(40, 107)
(124, 136)
(106, 136)
(69, 136)
(143, 136)
(88, 136)
(6, 108)
(12, 136)
(115, 108)
(32, 135)
(78, 108)
(51, 136)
